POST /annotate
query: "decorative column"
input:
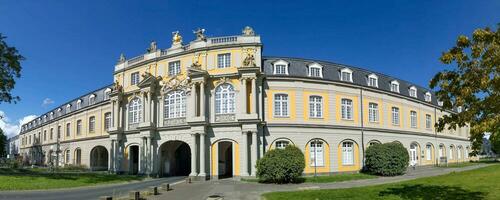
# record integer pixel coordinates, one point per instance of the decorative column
(254, 97)
(115, 113)
(193, 156)
(149, 159)
(202, 99)
(143, 101)
(202, 156)
(244, 155)
(113, 156)
(255, 150)
(192, 103)
(243, 96)
(147, 107)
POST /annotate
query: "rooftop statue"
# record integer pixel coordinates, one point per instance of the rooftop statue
(176, 37)
(248, 31)
(152, 47)
(122, 58)
(200, 34)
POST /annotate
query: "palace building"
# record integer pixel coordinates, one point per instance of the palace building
(212, 107)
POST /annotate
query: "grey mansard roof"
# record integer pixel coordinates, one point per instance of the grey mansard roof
(297, 67)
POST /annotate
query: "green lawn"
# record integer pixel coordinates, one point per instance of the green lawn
(326, 179)
(36, 179)
(459, 165)
(474, 184)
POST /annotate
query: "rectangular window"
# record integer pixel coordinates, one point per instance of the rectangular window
(315, 72)
(394, 87)
(345, 76)
(280, 69)
(224, 60)
(372, 82)
(413, 119)
(316, 154)
(315, 106)
(92, 124)
(107, 121)
(428, 152)
(395, 116)
(347, 153)
(79, 127)
(428, 121)
(51, 134)
(44, 135)
(413, 92)
(281, 105)
(174, 68)
(68, 129)
(134, 78)
(373, 112)
(347, 109)
(59, 132)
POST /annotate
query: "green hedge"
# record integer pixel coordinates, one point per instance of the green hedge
(281, 165)
(389, 159)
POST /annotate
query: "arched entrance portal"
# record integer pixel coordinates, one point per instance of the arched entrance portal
(225, 159)
(175, 159)
(99, 159)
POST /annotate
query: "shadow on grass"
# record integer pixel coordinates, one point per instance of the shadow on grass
(420, 191)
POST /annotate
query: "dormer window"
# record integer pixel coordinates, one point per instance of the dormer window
(315, 70)
(45, 118)
(92, 99)
(68, 108)
(440, 103)
(346, 75)
(413, 91)
(280, 67)
(373, 80)
(107, 92)
(51, 115)
(79, 104)
(395, 86)
(59, 111)
(428, 97)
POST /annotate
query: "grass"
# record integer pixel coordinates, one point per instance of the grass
(325, 179)
(38, 179)
(474, 184)
(458, 165)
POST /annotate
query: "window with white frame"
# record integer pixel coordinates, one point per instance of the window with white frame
(315, 106)
(395, 86)
(428, 121)
(441, 150)
(107, 93)
(174, 68)
(428, 97)
(280, 67)
(135, 111)
(175, 104)
(282, 144)
(68, 108)
(451, 152)
(92, 124)
(224, 99)
(373, 112)
(79, 104)
(346, 75)
(92, 99)
(281, 105)
(346, 109)
(413, 91)
(373, 80)
(459, 152)
(347, 153)
(395, 116)
(316, 155)
(134, 78)
(428, 152)
(51, 116)
(413, 119)
(107, 121)
(79, 127)
(224, 60)
(315, 70)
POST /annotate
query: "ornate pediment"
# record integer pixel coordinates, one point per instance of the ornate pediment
(175, 83)
(147, 80)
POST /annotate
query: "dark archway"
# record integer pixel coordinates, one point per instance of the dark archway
(225, 159)
(133, 159)
(99, 159)
(175, 159)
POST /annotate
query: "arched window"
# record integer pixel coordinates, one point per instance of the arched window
(78, 156)
(224, 99)
(282, 144)
(316, 155)
(428, 152)
(67, 157)
(92, 99)
(347, 153)
(175, 104)
(135, 110)
(107, 92)
(413, 91)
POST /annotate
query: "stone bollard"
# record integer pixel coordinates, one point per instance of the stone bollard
(105, 198)
(134, 195)
(188, 180)
(165, 186)
(153, 190)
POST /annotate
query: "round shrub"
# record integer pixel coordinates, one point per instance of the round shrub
(389, 159)
(281, 165)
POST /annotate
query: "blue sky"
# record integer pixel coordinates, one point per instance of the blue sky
(71, 47)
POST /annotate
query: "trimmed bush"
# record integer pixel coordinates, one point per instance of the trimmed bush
(389, 159)
(281, 165)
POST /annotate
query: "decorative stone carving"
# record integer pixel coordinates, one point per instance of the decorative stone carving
(152, 47)
(196, 65)
(121, 59)
(117, 87)
(176, 38)
(223, 80)
(225, 118)
(174, 83)
(174, 121)
(249, 61)
(248, 31)
(200, 34)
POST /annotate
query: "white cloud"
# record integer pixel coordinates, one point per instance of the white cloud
(12, 128)
(47, 101)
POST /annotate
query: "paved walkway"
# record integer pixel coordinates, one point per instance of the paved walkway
(84, 193)
(232, 189)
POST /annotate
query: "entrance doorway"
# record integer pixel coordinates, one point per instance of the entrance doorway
(413, 155)
(134, 159)
(98, 159)
(175, 159)
(225, 159)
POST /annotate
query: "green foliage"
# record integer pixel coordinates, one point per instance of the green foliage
(70, 167)
(495, 143)
(473, 84)
(3, 142)
(10, 68)
(389, 159)
(281, 165)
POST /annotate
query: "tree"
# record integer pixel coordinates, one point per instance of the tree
(10, 68)
(473, 84)
(3, 144)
